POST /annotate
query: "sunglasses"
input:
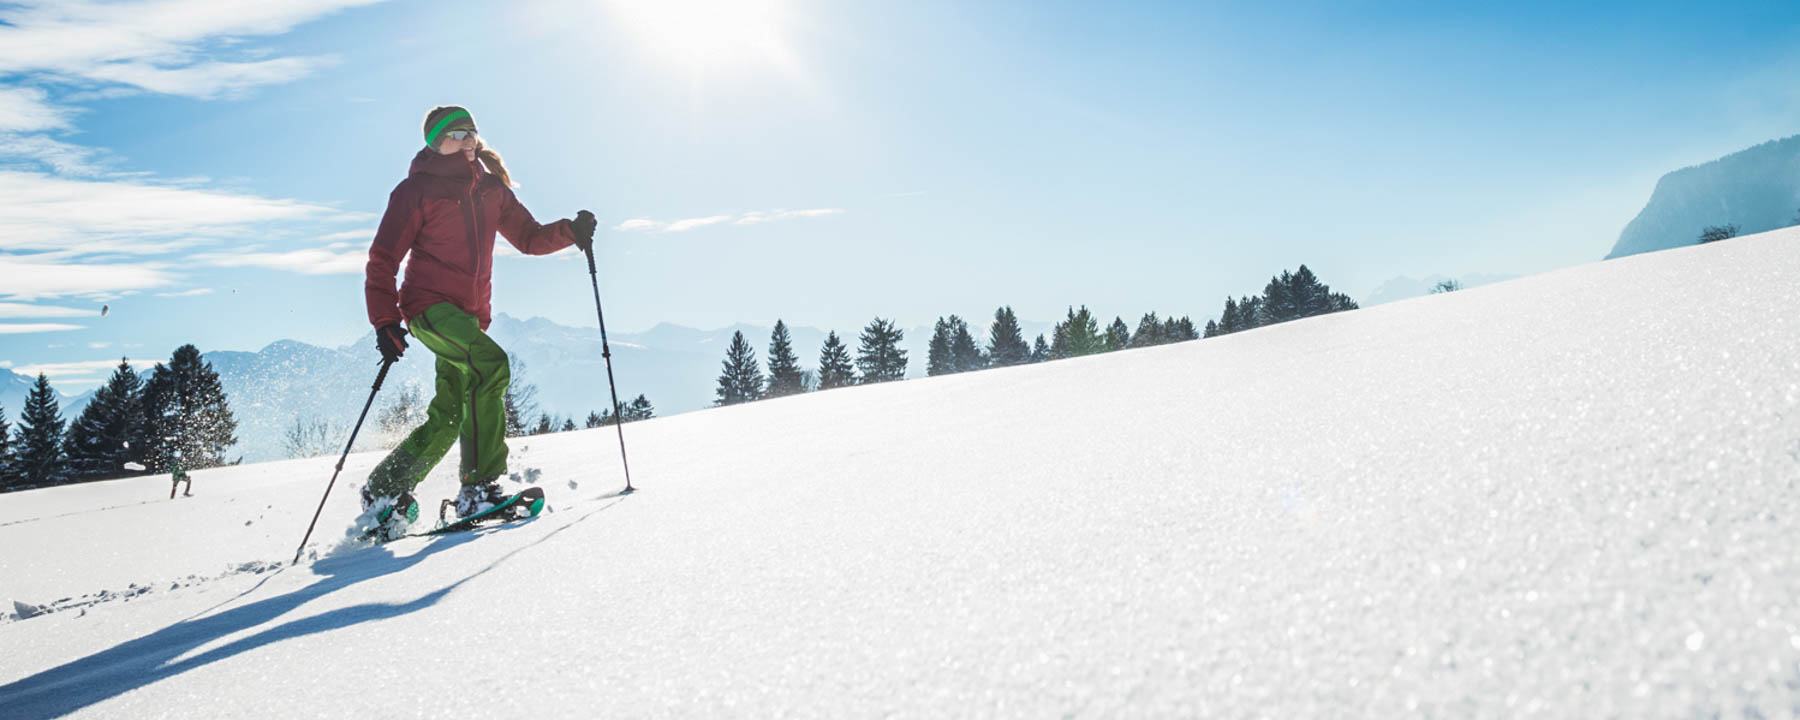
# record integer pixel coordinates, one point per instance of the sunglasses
(460, 134)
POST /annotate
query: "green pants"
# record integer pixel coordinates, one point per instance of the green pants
(472, 375)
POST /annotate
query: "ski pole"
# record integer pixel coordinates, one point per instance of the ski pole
(379, 377)
(606, 352)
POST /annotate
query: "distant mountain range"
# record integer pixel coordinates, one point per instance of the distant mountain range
(1756, 189)
(16, 387)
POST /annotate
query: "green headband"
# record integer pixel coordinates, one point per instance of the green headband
(431, 136)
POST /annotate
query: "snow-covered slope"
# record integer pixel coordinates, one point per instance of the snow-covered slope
(1569, 495)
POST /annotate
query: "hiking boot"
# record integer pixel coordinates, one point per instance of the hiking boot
(478, 498)
(386, 517)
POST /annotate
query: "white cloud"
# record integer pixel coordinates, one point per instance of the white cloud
(157, 45)
(749, 218)
(80, 217)
(62, 157)
(30, 279)
(310, 261)
(752, 218)
(28, 109)
(691, 223)
(24, 310)
(186, 293)
(21, 328)
(638, 224)
(364, 234)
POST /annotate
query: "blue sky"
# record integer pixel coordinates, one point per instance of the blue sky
(214, 177)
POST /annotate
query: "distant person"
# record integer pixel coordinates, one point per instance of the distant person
(444, 214)
(177, 476)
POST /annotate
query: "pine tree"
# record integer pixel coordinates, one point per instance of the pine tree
(1006, 342)
(879, 357)
(39, 458)
(6, 453)
(1077, 335)
(1149, 331)
(520, 398)
(1279, 304)
(1212, 328)
(1118, 337)
(1310, 296)
(186, 415)
(568, 424)
(1251, 313)
(595, 419)
(1231, 318)
(784, 367)
(835, 367)
(1040, 350)
(544, 424)
(964, 355)
(742, 379)
(98, 445)
(639, 409)
(937, 354)
(1179, 329)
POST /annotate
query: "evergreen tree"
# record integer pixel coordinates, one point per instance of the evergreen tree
(1149, 331)
(835, 367)
(1077, 335)
(98, 445)
(6, 453)
(39, 459)
(1212, 328)
(742, 379)
(1715, 233)
(1179, 329)
(1118, 337)
(1040, 350)
(1231, 319)
(1251, 314)
(544, 424)
(784, 367)
(953, 349)
(186, 415)
(879, 358)
(1280, 303)
(964, 354)
(595, 419)
(639, 409)
(568, 424)
(1006, 342)
(520, 398)
(937, 354)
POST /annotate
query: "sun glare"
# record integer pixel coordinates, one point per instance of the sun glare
(710, 35)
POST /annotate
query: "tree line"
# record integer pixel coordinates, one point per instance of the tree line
(134, 425)
(953, 349)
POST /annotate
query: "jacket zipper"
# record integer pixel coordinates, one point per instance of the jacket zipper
(472, 227)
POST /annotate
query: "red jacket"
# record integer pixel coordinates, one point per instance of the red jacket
(445, 213)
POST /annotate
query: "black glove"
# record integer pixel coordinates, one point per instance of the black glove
(583, 226)
(391, 341)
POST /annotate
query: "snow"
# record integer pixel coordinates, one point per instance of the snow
(1568, 495)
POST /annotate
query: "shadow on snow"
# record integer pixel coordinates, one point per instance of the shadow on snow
(147, 660)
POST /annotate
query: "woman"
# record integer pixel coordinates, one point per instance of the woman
(444, 214)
